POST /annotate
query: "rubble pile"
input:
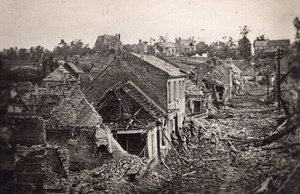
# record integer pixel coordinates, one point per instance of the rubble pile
(235, 162)
(111, 177)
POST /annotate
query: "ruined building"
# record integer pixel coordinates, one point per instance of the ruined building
(55, 131)
(223, 78)
(39, 101)
(142, 99)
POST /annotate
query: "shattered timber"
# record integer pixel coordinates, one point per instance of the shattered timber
(142, 122)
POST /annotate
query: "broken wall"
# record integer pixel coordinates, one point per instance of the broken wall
(152, 142)
(39, 169)
(81, 143)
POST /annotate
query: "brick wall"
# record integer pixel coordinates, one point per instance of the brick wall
(150, 79)
(39, 168)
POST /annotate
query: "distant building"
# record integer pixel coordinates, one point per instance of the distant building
(265, 47)
(168, 48)
(105, 43)
(142, 47)
(186, 46)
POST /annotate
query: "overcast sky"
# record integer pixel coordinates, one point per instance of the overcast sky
(26, 23)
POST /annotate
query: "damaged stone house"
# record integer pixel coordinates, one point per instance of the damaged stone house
(71, 138)
(60, 80)
(223, 78)
(39, 100)
(198, 98)
(76, 125)
(142, 100)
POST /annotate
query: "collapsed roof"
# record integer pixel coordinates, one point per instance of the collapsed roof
(76, 110)
(60, 74)
(219, 71)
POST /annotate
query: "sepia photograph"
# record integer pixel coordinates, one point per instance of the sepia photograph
(149, 96)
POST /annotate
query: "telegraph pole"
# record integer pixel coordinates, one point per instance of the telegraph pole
(268, 84)
(278, 54)
(278, 83)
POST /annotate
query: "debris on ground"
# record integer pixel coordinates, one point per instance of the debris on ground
(250, 152)
(117, 176)
(244, 148)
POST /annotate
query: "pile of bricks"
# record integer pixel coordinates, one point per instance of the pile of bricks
(111, 177)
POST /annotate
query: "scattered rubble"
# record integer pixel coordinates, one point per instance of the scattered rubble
(241, 162)
(237, 161)
(111, 177)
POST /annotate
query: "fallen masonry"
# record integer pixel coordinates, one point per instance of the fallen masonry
(234, 163)
(111, 177)
(265, 160)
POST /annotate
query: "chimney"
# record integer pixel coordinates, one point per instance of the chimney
(140, 41)
(119, 36)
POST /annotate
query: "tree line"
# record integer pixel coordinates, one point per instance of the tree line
(75, 47)
(227, 47)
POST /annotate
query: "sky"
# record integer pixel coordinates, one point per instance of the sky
(26, 23)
